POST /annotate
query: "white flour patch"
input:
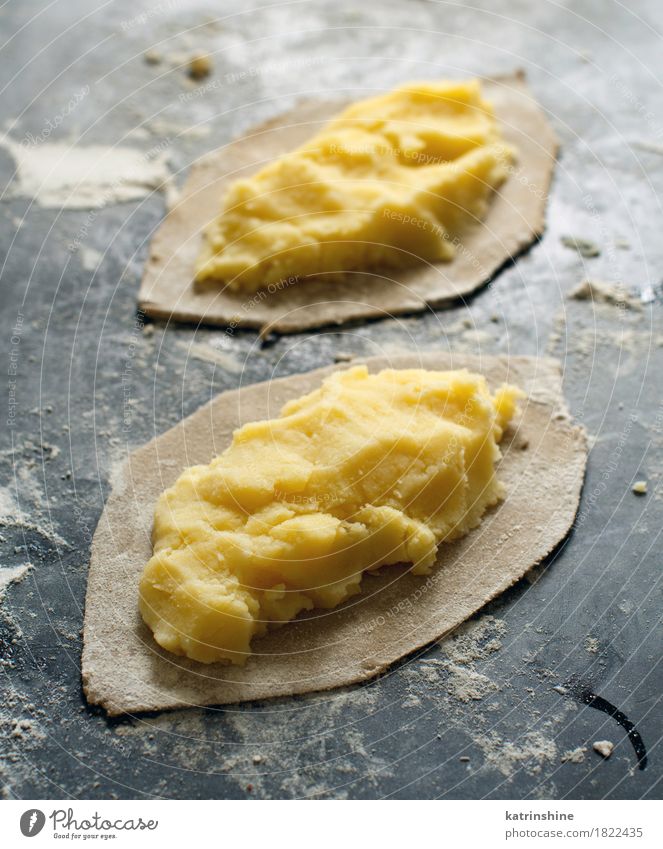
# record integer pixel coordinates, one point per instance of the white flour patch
(12, 575)
(9, 509)
(211, 354)
(11, 515)
(65, 176)
(90, 258)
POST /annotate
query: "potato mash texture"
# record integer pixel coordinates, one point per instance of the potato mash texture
(367, 470)
(391, 181)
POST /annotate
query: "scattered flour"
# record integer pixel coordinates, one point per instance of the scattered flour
(11, 576)
(477, 337)
(11, 515)
(159, 127)
(67, 176)
(467, 684)
(557, 331)
(9, 509)
(530, 753)
(26, 729)
(603, 292)
(574, 756)
(474, 640)
(210, 354)
(90, 258)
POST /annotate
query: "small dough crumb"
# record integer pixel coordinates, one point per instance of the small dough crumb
(640, 487)
(152, 57)
(604, 292)
(584, 247)
(200, 66)
(603, 747)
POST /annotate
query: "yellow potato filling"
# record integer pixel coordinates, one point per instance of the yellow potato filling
(390, 182)
(367, 470)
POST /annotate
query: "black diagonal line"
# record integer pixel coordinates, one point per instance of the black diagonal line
(590, 699)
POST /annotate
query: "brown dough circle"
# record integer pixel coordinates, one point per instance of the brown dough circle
(125, 671)
(515, 219)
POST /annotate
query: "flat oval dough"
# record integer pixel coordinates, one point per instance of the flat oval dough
(514, 220)
(543, 467)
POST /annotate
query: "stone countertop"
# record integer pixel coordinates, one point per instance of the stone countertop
(497, 710)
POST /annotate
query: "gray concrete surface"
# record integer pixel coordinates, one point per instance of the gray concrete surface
(91, 383)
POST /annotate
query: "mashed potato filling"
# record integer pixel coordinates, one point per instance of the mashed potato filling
(391, 181)
(367, 470)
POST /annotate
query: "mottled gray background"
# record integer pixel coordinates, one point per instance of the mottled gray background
(475, 717)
